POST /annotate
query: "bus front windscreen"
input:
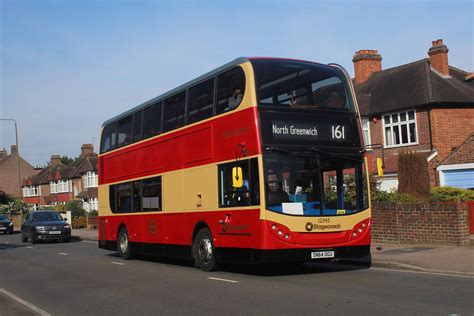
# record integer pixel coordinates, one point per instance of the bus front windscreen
(315, 186)
(297, 84)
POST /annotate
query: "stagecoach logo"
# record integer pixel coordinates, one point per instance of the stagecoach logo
(152, 227)
(324, 223)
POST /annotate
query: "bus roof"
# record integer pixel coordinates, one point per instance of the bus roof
(211, 73)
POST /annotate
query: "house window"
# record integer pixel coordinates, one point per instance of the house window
(366, 131)
(33, 190)
(64, 186)
(400, 129)
(91, 179)
(53, 187)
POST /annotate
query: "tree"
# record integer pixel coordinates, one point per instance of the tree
(5, 198)
(67, 160)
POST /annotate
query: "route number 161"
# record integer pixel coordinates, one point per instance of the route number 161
(338, 132)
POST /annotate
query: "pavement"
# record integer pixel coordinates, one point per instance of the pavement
(418, 257)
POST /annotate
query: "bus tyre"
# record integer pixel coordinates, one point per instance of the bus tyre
(123, 244)
(204, 252)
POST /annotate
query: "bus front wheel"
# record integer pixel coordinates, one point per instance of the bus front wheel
(204, 252)
(123, 244)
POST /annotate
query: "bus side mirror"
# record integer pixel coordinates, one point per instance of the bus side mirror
(237, 178)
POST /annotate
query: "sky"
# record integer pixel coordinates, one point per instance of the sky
(66, 66)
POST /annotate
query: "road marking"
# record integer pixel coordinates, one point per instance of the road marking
(423, 272)
(63, 254)
(27, 304)
(223, 280)
(118, 263)
(29, 247)
(90, 242)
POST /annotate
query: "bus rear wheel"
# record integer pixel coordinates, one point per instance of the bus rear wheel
(123, 244)
(204, 252)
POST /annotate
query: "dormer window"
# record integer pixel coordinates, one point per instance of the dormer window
(91, 179)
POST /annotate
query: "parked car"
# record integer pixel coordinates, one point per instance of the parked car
(45, 225)
(6, 225)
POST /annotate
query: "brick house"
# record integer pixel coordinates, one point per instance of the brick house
(58, 183)
(425, 106)
(9, 180)
(458, 168)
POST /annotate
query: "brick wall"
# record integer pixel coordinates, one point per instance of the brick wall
(450, 128)
(437, 223)
(391, 154)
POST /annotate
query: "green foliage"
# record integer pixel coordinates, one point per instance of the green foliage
(15, 207)
(79, 222)
(60, 208)
(450, 194)
(396, 196)
(93, 213)
(5, 198)
(67, 160)
(413, 177)
(75, 207)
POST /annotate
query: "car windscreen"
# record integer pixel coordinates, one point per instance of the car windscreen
(3, 217)
(298, 84)
(46, 216)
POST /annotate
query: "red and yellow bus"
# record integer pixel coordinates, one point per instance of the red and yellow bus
(260, 160)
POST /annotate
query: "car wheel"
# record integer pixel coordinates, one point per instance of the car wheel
(23, 238)
(33, 238)
(67, 239)
(123, 244)
(204, 252)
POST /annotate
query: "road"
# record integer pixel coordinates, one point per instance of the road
(77, 278)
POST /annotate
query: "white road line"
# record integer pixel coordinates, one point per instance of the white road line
(22, 301)
(63, 254)
(223, 280)
(29, 247)
(118, 263)
(423, 272)
(90, 242)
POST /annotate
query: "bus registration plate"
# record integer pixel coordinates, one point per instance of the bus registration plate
(322, 254)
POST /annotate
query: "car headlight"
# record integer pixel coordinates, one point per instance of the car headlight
(11, 224)
(39, 227)
(67, 227)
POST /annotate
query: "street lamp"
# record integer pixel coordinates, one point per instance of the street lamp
(17, 153)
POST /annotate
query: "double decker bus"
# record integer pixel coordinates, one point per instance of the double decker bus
(260, 160)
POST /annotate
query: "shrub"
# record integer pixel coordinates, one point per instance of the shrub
(15, 207)
(5, 198)
(413, 177)
(79, 222)
(450, 194)
(93, 213)
(75, 207)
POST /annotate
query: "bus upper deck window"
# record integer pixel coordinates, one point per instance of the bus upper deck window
(108, 138)
(230, 89)
(124, 131)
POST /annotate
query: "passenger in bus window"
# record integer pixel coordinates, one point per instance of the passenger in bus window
(234, 100)
(276, 195)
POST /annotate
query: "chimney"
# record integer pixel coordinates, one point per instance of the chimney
(3, 153)
(86, 150)
(439, 57)
(13, 150)
(366, 62)
(55, 159)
